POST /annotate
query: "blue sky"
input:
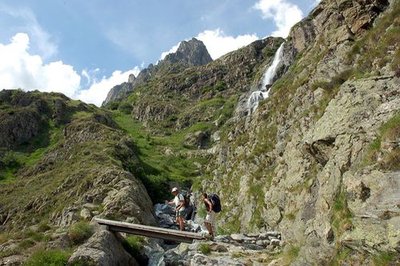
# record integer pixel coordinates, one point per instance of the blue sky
(83, 48)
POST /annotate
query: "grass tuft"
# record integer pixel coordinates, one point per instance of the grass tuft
(80, 232)
(133, 245)
(53, 257)
(205, 249)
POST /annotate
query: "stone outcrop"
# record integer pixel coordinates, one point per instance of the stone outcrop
(120, 91)
(25, 116)
(198, 139)
(103, 248)
(18, 127)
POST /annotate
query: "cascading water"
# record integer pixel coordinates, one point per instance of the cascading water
(267, 81)
(271, 71)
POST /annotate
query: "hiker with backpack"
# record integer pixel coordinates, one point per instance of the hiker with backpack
(213, 205)
(179, 202)
(189, 204)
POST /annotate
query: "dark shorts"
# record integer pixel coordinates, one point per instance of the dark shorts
(181, 212)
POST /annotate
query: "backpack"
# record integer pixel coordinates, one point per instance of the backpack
(215, 202)
(186, 198)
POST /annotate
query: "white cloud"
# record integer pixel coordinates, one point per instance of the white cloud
(172, 50)
(98, 91)
(282, 12)
(218, 43)
(19, 69)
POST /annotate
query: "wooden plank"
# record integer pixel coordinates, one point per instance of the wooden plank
(150, 231)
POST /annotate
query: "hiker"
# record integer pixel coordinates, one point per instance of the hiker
(209, 222)
(179, 203)
(190, 206)
(192, 200)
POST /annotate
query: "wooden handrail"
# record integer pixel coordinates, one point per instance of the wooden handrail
(150, 231)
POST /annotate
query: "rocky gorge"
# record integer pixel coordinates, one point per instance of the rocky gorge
(306, 164)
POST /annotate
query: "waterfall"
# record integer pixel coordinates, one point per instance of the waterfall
(267, 81)
(271, 71)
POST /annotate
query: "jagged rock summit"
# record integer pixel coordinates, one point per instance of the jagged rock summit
(193, 53)
(190, 53)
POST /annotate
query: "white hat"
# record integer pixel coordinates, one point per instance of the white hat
(174, 189)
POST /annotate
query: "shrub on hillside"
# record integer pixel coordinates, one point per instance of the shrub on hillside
(125, 108)
(205, 249)
(80, 232)
(134, 246)
(48, 257)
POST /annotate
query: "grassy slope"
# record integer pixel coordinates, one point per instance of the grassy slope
(164, 158)
(51, 185)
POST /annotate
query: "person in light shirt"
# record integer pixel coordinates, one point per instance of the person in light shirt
(179, 203)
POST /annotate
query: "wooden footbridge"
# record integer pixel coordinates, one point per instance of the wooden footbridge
(150, 231)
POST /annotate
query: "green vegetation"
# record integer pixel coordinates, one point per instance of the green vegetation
(55, 257)
(330, 90)
(205, 249)
(133, 245)
(156, 168)
(231, 225)
(125, 108)
(335, 82)
(388, 134)
(29, 154)
(9, 252)
(347, 256)
(218, 87)
(256, 193)
(290, 253)
(26, 243)
(341, 257)
(375, 49)
(4, 237)
(266, 137)
(80, 232)
(291, 216)
(385, 259)
(35, 236)
(43, 227)
(238, 255)
(341, 216)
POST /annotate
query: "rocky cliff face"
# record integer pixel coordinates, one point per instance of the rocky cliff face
(308, 163)
(118, 92)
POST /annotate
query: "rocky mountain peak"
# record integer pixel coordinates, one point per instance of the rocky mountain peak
(192, 52)
(131, 78)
